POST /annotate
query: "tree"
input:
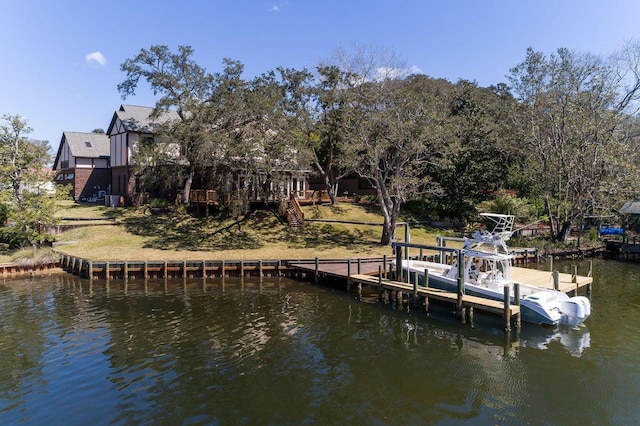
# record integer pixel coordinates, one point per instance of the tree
(475, 152)
(570, 112)
(393, 134)
(26, 202)
(184, 85)
(328, 136)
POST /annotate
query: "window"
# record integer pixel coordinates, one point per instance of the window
(88, 144)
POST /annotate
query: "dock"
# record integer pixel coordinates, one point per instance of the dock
(567, 283)
(374, 272)
(474, 302)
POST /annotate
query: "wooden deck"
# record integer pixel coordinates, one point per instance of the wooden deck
(544, 279)
(492, 306)
(366, 272)
(340, 268)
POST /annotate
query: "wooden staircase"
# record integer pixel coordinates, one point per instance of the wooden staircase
(295, 215)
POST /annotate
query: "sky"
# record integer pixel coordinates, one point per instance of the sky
(61, 58)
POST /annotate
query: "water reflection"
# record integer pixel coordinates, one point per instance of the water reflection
(574, 340)
(281, 352)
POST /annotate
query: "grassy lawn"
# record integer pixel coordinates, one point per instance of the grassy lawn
(130, 234)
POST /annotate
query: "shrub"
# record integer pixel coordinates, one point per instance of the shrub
(159, 203)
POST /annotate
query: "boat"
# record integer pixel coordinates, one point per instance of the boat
(487, 271)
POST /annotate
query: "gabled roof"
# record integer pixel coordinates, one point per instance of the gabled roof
(630, 208)
(85, 145)
(136, 119)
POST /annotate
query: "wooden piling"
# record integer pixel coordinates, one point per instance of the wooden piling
(315, 276)
(516, 301)
(384, 265)
(507, 309)
(398, 276)
(460, 282)
(556, 280)
(380, 269)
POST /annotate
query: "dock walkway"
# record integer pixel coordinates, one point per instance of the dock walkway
(492, 306)
(366, 272)
(567, 283)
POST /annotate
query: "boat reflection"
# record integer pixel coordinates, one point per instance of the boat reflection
(574, 339)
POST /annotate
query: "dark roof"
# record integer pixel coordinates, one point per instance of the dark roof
(137, 119)
(85, 145)
(88, 145)
(630, 208)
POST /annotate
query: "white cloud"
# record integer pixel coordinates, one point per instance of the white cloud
(96, 58)
(278, 7)
(383, 73)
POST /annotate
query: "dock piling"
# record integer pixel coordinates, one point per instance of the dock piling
(507, 309)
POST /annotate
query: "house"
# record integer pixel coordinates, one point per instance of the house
(83, 162)
(129, 124)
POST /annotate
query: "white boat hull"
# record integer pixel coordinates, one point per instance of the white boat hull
(538, 306)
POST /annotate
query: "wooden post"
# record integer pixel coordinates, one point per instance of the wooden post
(260, 268)
(507, 309)
(415, 286)
(242, 268)
(349, 275)
(90, 269)
(359, 265)
(107, 271)
(398, 276)
(516, 301)
(146, 270)
(126, 270)
(574, 273)
(164, 269)
(316, 274)
(380, 269)
(384, 265)
(556, 280)
(222, 269)
(406, 238)
(589, 275)
(426, 277)
(460, 281)
(551, 263)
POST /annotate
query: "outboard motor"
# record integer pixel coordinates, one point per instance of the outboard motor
(575, 310)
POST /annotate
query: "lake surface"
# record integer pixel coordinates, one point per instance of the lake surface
(283, 352)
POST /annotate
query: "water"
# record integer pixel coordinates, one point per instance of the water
(283, 352)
